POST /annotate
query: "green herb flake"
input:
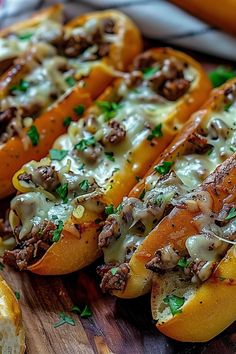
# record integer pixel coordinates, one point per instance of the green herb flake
(81, 166)
(149, 72)
(70, 81)
(183, 262)
(33, 134)
(63, 319)
(159, 200)
(17, 294)
(209, 152)
(142, 194)
(222, 278)
(232, 148)
(67, 121)
(22, 86)
(62, 191)
(220, 75)
(54, 217)
(164, 167)
(25, 36)
(86, 312)
(227, 106)
(84, 143)
(76, 309)
(156, 132)
(79, 110)
(58, 154)
(58, 231)
(84, 185)
(175, 303)
(114, 270)
(232, 214)
(109, 209)
(110, 156)
(109, 109)
(2, 266)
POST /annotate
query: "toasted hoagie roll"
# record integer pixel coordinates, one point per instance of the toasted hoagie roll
(43, 26)
(128, 238)
(193, 295)
(57, 219)
(52, 83)
(12, 336)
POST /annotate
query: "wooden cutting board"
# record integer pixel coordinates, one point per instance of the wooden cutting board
(116, 326)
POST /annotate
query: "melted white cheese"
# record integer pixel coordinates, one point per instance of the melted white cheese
(192, 169)
(11, 46)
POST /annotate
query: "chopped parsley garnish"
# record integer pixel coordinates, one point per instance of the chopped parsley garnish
(232, 148)
(62, 191)
(63, 320)
(175, 303)
(58, 154)
(110, 156)
(81, 166)
(22, 86)
(209, 152)
(33, 134)
(114, 270)
(232, 214)
(109, 109)
(25, 36)
(227, 106)
(220, 75)
(1, 266)
(149, 72)
(54, 217)
(70, 81)
(84, 143)
(142, 194)
(164, 167)
(86, 312)
(116, 169)
(79, 110)
(17, 294)
(156, 132)
(84, 185)
(58, 231)
(183, 262)
(76, 309)
(67, 121)
(109, 209)
(159, 200)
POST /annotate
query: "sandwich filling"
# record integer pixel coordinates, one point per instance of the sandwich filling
(86, 159)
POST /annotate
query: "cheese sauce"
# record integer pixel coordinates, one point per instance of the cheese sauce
(137, 116)
(191, 170)
(16, 43)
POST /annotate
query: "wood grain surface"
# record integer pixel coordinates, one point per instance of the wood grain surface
(116, 326)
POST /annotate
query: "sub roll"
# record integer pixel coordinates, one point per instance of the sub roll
(51, 84)
(67, 195)
(129, 236)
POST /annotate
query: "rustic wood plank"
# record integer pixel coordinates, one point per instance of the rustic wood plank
(42, 299)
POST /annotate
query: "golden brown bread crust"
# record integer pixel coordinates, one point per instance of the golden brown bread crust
(83, 246)
(11, 328)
